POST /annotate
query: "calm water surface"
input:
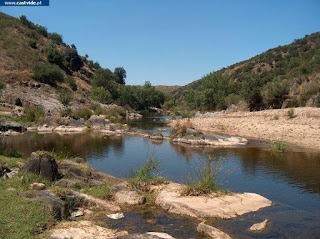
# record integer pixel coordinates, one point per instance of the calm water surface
(291, 180)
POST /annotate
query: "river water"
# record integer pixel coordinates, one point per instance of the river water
(291, 180)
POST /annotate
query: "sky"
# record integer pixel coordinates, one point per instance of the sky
(174, 42)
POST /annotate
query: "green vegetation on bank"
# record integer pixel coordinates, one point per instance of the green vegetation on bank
(278, 146)
(36, 218)
(265, 81)
(204, 180)
(145, 175)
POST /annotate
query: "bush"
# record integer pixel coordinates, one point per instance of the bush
(278, 146)
(56, 38)
(102, 95)
(2, 84)
(33, 44)
(71, 82)
(33, 114)
(65, 96)
(275, 92)
(97, 109)
(291, 113)
(47, 73)
(82, 113)
(53, 55)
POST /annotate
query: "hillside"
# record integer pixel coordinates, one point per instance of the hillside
(38, 69)
(24, 45)
(285, 76)
(167, 89)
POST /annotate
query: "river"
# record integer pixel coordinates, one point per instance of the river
(291, 180)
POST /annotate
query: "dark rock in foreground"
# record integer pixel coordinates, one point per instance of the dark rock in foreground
(43, 164)
(11, 125)
(57, 207)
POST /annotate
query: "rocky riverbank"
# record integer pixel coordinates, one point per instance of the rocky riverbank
(73, 191)
(99, 123)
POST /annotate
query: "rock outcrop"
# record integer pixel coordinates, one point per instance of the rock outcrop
(148, 235)
(124, 195)
(259, 226)
(212, 231)
(211, 140)
(84, 230)
(98, 121)
(43, 164)
(223, 206)
(57, 207)
(11, 125)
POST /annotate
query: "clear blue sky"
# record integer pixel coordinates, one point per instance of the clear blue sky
(174, 42)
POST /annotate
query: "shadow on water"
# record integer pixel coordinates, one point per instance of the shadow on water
(291, 180)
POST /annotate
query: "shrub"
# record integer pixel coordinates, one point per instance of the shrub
(33, 44)
(53, 55)
(71, 82)
(2, 84)
(56, 38)
(82, 113)
(205, 179)
(97, 109)
(33, 114)
(291, 113)
(47, 73)
(67, 112)
(275, 92)
(278, 146)
(65, 96)
(102, 95)
(13, 153)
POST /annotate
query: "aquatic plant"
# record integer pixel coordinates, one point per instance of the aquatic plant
(278, 146)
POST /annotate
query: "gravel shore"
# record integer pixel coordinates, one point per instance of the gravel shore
(272, 125)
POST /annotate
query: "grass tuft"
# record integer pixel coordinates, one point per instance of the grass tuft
(145, 176)
(278, 146)
(204, 180)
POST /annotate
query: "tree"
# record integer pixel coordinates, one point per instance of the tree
(275, 92)
(120, 75)
(72, 61)
(102, 78)
(56, 38)
(102, 95)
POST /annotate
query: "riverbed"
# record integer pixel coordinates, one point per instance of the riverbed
(291, 180)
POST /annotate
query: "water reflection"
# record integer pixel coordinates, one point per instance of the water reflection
(300, 169)
(291, 180)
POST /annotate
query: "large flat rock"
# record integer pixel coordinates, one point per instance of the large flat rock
(84, 230)
(223, 206)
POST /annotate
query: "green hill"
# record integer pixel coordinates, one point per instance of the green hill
(38, 69)
(285, 76)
